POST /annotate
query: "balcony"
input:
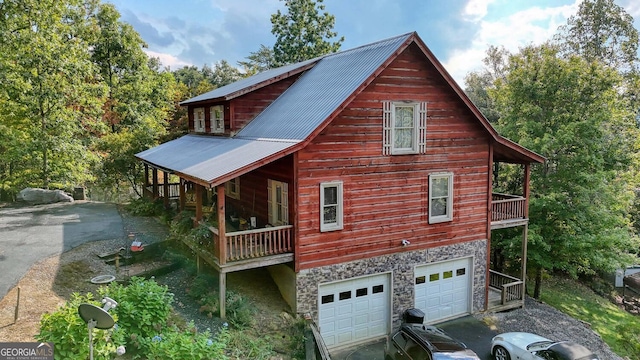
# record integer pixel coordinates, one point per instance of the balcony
(246, 249)
(505, 292)
(508, 211)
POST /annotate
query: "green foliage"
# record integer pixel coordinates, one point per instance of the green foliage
(183, 222)
(145, 207)
(243, 346)
(303, 32)
(239, 311)
(201, 235)
(186, 345)
(202, 285)
(143, 308)
(69, 332)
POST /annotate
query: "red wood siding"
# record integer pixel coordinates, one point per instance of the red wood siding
(386, 197)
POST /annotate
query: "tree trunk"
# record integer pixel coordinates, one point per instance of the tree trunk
(538, 283)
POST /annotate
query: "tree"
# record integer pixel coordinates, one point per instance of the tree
(569, 110)
(478, 83)
(304, 32)
(258, 61)
(50, 93)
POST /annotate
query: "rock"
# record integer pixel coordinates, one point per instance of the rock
(43, 196)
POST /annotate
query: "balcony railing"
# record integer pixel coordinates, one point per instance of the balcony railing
(174, 190)
(507, 207)
(256, 243)
(511, 289)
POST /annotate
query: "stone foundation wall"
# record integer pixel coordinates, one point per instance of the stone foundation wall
(401, 265)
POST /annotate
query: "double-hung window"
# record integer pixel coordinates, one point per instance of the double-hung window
(232, 188)
(217, 119)
(404, 127)
(198, 119)
(440, 197)
(278, 200)
(331, 208)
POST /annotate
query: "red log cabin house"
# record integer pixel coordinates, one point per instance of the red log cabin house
(362, 180)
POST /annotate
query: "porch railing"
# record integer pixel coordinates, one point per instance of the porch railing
(248, 244)
(511, 288)
(507, 207)
(174, 190)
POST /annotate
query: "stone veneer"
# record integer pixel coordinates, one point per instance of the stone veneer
(401, 266)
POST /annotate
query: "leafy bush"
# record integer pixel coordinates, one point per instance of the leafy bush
(183, 222)
(201, 236)
(145, 207)
(202, 285)
(243, 346)
(70, 333)
(143, 307)
(174, 344)
(239, 311)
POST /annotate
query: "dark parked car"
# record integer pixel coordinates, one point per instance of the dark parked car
(422, 342)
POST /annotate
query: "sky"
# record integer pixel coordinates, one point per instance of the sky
(458, 32)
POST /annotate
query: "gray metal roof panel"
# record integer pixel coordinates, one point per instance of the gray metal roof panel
(210, 157)
(249, 82)
(319, 92)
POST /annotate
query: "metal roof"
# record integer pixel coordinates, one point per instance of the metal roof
(250, 82)
(210, 157)
(303, 107)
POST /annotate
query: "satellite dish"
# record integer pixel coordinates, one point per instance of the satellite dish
(97, 317)
(101, 317)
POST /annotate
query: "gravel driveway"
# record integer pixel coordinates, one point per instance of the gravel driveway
(546, 321)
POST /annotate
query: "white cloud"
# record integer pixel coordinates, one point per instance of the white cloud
(168, 60)
(534, 25)
(476, 9)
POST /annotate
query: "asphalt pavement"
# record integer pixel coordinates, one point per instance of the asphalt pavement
(29, 234)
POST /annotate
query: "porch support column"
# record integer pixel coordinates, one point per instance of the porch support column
(198, 203)
(525, 189)
(222, 232)
(145, 190)
(222, 279)
(182, 194)
(525, 230)
(155, 183)
(165, 186)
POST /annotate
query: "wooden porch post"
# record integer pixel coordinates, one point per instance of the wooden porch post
(525, 230)
(145, 191)
(155, 183)
(222, 232)
(165, 187)
(198, 203)
(525, 189)
(222, 249)
(182, 194)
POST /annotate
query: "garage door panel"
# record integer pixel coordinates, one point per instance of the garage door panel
(361, 309)
(445, 291)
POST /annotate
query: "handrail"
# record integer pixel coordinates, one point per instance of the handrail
(507, 208)
(247, 244)
(511, 288)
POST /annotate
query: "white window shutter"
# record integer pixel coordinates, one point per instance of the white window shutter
(270, 201)
(422, 129)
(387, 127)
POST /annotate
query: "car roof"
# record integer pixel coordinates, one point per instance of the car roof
(572, 351)
(433, 338)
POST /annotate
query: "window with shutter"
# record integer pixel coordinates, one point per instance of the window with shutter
(198, 120)
(217, 119)
(404, 128)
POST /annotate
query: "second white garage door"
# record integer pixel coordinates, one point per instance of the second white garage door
(443, 290)
(354, 310)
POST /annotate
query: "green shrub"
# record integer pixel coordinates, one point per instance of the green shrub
(243, 346)
(143, 308)
(201, 236)
(183, 222)
(174, 344)
(145, 207)
(69, 332)
(240, 313)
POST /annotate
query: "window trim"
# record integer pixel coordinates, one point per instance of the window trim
(199, 123)
(272, 204)
(229, 190)
(449, 210)
(212, 118)
(419, 127)
(339, 224)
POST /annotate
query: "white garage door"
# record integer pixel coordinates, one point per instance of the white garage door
(443, 290)
(354, 310)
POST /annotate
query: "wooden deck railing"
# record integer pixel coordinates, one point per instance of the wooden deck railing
(507, 207)
(174, 190)
(511, 288)
(248, 244)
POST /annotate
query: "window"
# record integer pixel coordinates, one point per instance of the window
(404, 128)
(278, 200)
(216, 114)
(440, 198)
(331, 206)
(232, 188)
(198, 119)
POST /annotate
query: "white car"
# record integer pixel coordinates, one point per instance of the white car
(526, 346)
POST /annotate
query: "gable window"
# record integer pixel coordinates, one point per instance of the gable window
(217, 119)
(331, 206)
(278, 202)
(232, 188)
(198, 119)
(405, 125)
(440, 197)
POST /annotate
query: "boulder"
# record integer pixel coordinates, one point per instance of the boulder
(43, 196)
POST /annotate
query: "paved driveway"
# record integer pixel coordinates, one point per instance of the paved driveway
(32, 233)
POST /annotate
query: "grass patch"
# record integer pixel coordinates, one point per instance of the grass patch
(618, 328)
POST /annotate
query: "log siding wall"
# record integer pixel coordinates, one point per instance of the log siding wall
(386, 196)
